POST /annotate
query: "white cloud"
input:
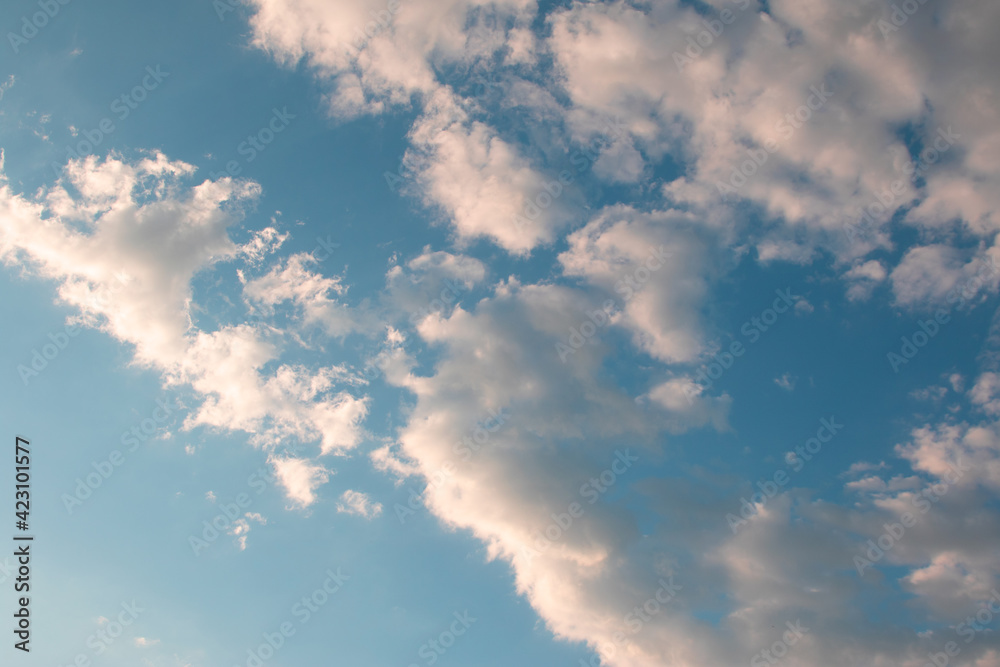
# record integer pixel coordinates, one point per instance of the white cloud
(124, 248)
(264, 242)
(938, 275)
(863, 278)
(654, 267)
(938, 450)
(569, 418)
(949, 567)
(312, 293)
(300, 478)
(241, 528)
(433, 282)
(359, 504)
(864, 466)
(683, 399)
(786, 381)
(986, 393)
(615, 60)
(932, 393)
(482, 183)
(564, 427)
(399, 56)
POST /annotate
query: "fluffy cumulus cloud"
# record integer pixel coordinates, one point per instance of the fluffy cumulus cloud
(300, 477)
(587, 565)
(821, 89)
(939, 275)
(124, 241)
(379, 54)
(784, 132)
(922, 522)
(311, 292)
(836, 128)
(378, 57)
(653, 267)
(480, 182)
(431, 283)
(780, 107)
(862, 279)
(531, 453)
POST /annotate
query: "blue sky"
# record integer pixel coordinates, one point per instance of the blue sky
(510, 208)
